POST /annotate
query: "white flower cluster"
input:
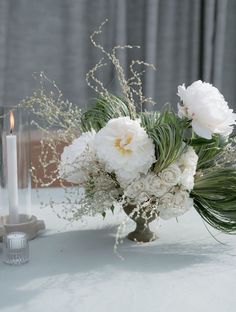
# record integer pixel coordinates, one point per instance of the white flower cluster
(114, 165)
(121, 147)
(170, 187)
(116, 161)
(120, 151)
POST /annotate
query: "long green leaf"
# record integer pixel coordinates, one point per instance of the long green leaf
(207, 150)
(104, 109)
(214, 196)
(167, 131)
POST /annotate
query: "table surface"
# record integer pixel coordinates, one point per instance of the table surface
(74, 268)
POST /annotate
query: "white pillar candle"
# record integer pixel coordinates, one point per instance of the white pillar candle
(12, 175)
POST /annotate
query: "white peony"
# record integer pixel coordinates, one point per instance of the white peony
(173, 205)
(125, 148)
(78, 160)
(171, 175)
(207, 108)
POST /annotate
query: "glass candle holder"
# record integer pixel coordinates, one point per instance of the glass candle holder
(15, 173)
(15, 165)
(15, 248)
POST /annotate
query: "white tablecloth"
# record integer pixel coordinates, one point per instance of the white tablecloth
(74, 269)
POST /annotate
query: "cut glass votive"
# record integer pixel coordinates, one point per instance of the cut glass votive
(15, 248)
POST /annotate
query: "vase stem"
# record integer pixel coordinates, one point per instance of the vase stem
(142, 233)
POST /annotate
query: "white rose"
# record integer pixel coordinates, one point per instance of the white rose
(135, 188)
(156, 186)
(165, 206)
(125, 148)
(207, 108)
(147, 186)
(171, 174)
(172, 205)
(188, 164)
(187, 179)
(167, 200)
(183, 202)
(188, 159)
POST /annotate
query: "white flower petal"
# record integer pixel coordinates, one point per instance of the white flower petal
(201, 131)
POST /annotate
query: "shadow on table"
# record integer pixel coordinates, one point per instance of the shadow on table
(83, 251)
(91, 251)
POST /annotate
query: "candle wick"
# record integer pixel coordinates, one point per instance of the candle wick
(11, 131)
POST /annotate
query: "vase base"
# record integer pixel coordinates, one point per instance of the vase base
(145, 236)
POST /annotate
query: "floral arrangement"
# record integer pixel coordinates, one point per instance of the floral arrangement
(159, 163)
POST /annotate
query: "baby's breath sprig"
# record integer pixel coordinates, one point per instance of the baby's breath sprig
(58, 123)
(131, 87)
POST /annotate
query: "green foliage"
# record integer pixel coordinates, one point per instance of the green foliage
(214, 197)
(167, 131)
(150, 120)
(207, 150)
(104, 109)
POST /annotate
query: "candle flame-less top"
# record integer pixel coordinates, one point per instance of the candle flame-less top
(12, 121)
